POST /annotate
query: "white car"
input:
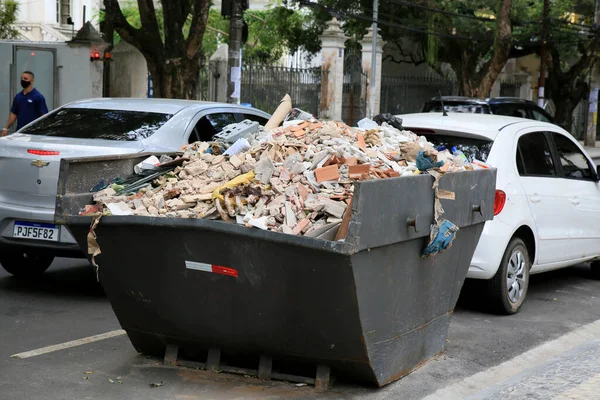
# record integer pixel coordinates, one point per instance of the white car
(547, 205)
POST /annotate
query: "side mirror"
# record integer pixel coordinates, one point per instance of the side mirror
(598, 173)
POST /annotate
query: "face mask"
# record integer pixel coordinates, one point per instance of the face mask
(25, 84)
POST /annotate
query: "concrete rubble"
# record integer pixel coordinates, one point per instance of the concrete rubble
(298, 179)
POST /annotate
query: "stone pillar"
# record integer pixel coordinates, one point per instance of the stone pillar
(367, 60)
(495, 92)
(332, 65)
(526, 88)
(218, 65)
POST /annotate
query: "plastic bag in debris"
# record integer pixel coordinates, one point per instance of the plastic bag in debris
(441, 238)
(366, 124)
(149, 163)
(390, 119)
(298, 115)
(425, 162)
(238, 147)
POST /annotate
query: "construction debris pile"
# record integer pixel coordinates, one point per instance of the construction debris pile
(297, 179)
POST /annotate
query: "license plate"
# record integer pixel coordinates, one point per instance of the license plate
(33, 230)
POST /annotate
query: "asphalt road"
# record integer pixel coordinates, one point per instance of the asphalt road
(67, 304)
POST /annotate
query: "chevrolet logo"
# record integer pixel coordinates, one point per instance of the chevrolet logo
(40, 163)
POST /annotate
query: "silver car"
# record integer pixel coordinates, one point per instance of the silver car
(30, 159)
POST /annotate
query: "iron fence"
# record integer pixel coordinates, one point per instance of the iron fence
(264, 86)
(354, 90)
(404, 94)
(510, 88)
(206, 85)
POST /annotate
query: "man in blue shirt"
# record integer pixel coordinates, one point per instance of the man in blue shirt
(28, 105)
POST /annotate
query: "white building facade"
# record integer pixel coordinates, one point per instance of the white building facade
(48, 20)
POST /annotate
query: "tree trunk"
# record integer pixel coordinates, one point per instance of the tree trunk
(568, 88)
(566, 96)
(173, 61)
(465, 74)
(174, 79)
(564, 111)
(487, 75)
(478, 82)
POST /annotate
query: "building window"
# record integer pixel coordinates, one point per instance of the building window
(63, 11)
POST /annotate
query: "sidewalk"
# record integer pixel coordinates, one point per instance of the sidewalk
(567, 368)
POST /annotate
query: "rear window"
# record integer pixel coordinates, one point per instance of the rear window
(452, 106)
(511, 110)
(474, 149)
(81, 123)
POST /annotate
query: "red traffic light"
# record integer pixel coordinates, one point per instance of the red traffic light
(94, 56)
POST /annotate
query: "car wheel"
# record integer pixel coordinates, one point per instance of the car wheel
(595, 267)
(25, 264)
(508, 288)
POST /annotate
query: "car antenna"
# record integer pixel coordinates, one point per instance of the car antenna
(444, 113)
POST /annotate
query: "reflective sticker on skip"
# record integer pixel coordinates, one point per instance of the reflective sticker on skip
(215, 269)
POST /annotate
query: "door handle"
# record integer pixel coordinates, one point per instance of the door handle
(535, 198)
(574, 200)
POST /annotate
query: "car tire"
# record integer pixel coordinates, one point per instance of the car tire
(508, 288)
(595, 268)
(25, 264)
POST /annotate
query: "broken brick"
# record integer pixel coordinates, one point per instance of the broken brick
(335, 209)
(332, 160)
(350, 161)
(300, 226)
(300, 133)
(391, 173)
(235, 161)
(355, 171)
(302, 191)
(330, 173)
(361, 141)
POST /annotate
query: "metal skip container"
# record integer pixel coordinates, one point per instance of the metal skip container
(370, 307)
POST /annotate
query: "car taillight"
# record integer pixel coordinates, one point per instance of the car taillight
(43, 152)
(499, 202)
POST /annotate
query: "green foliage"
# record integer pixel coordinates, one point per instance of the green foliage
(132, 15)
(217, 31)
(8, 16)
(271, 33)
(402, 23)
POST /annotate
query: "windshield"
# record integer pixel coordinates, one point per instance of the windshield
(474, 149)
(455, 106)
(82, 123)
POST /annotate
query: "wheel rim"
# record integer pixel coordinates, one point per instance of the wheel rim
(516, 276)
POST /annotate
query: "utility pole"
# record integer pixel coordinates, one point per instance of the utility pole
(234, 61)
(543, 54)
(373, 85)
(108, 30)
